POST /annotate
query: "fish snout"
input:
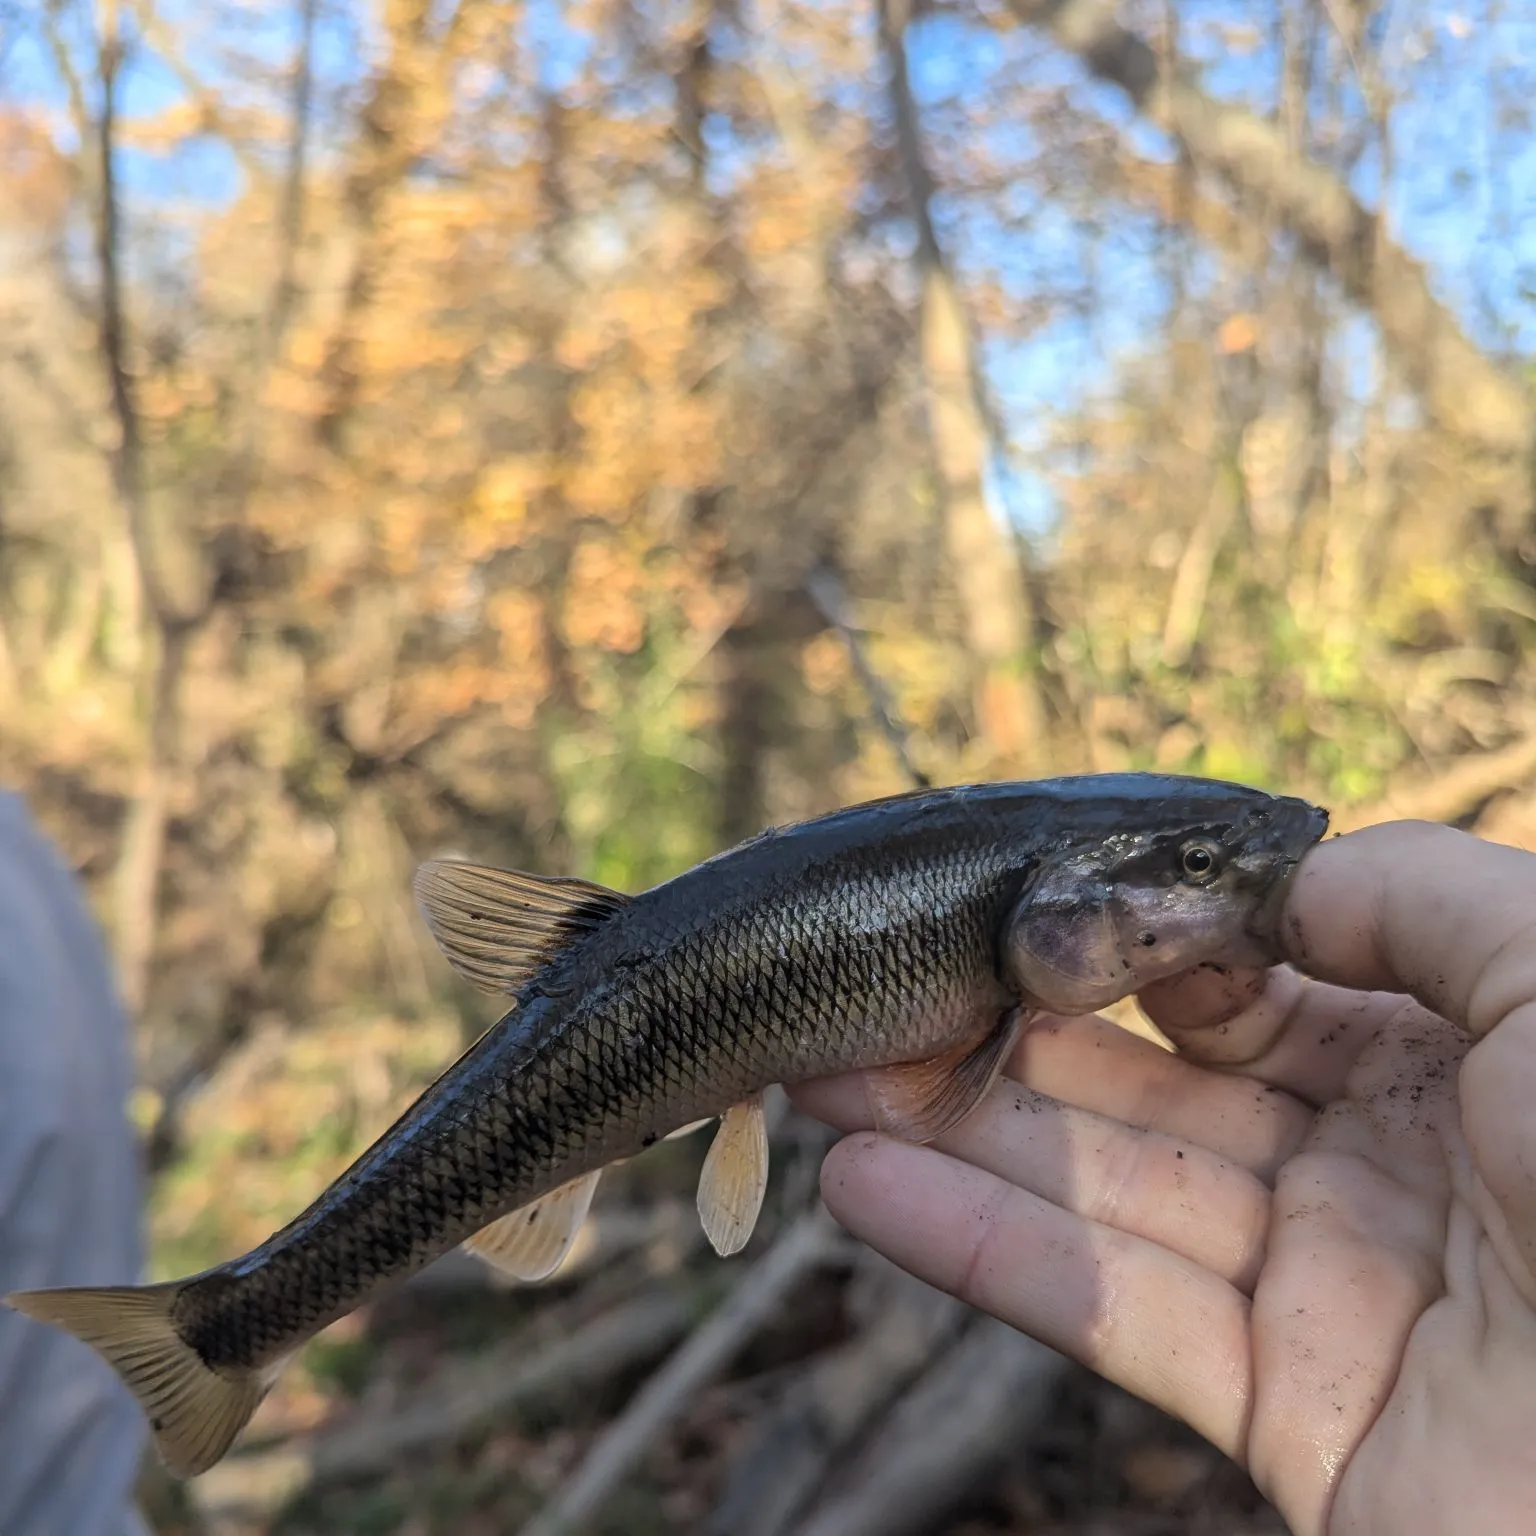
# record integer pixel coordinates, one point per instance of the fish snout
(1292, 829)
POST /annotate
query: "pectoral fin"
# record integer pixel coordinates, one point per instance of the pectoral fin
(531, 1243)
(918, 1101)
(496, 927)
(735, 1177)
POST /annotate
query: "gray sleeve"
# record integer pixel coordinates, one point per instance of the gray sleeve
(71, 1437)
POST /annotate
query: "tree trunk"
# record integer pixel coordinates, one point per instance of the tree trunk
(170, 567)
(999, 622)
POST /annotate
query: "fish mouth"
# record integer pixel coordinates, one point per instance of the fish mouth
(1299, 826)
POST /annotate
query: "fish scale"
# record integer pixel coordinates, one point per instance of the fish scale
(905, 931)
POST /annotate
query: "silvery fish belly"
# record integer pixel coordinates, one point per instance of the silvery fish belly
(912, 937)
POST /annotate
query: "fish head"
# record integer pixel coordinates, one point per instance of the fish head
(1198, 876)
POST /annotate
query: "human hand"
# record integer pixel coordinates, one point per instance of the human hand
(1311, 1234)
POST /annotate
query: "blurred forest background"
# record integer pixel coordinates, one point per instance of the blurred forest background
(575, 436)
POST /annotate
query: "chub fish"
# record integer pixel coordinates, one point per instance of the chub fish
(911, 937)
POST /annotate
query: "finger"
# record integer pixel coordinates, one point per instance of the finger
(1451, 920)
(1207, 1209)
(1423, 909)
(1498, 1087)
(1278, 1026)
(1169, 1191)
(1162, 1327)
(1096, 1065)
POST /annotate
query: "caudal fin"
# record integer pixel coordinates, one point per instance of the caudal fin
(194, 1410)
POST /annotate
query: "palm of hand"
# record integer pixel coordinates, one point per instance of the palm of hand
(1393, 1331)
(1296, 1249)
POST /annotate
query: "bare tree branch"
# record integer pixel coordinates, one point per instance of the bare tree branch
(290, 217)
(826, 591)
(244, 469)
(1460, 386)
(127, 470)
(174, 614)
(169, 568)
(74, 87)
(162, 39)
(1192, 578)
(1456, 791)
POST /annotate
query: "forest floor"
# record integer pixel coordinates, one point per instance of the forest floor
(1097, 1462)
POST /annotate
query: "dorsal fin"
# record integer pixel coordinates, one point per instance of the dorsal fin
(496, 927)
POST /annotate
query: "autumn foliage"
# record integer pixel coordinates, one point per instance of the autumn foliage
(576, 438)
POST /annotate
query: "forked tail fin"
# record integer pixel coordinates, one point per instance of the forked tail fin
(194, 1410)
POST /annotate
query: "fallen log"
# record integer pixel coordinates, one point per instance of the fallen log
(951, 1434)
(837, 1397)
(627, 1335)
(805, 1245)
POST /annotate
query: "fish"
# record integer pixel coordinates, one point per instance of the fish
(913, 937)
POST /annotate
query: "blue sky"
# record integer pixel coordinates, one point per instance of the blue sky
(1463, 198)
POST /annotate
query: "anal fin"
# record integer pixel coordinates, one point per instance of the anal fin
(531, 1243)
(735, 1177)
(920, 1100)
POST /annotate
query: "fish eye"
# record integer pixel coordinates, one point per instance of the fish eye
(1200, 861)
